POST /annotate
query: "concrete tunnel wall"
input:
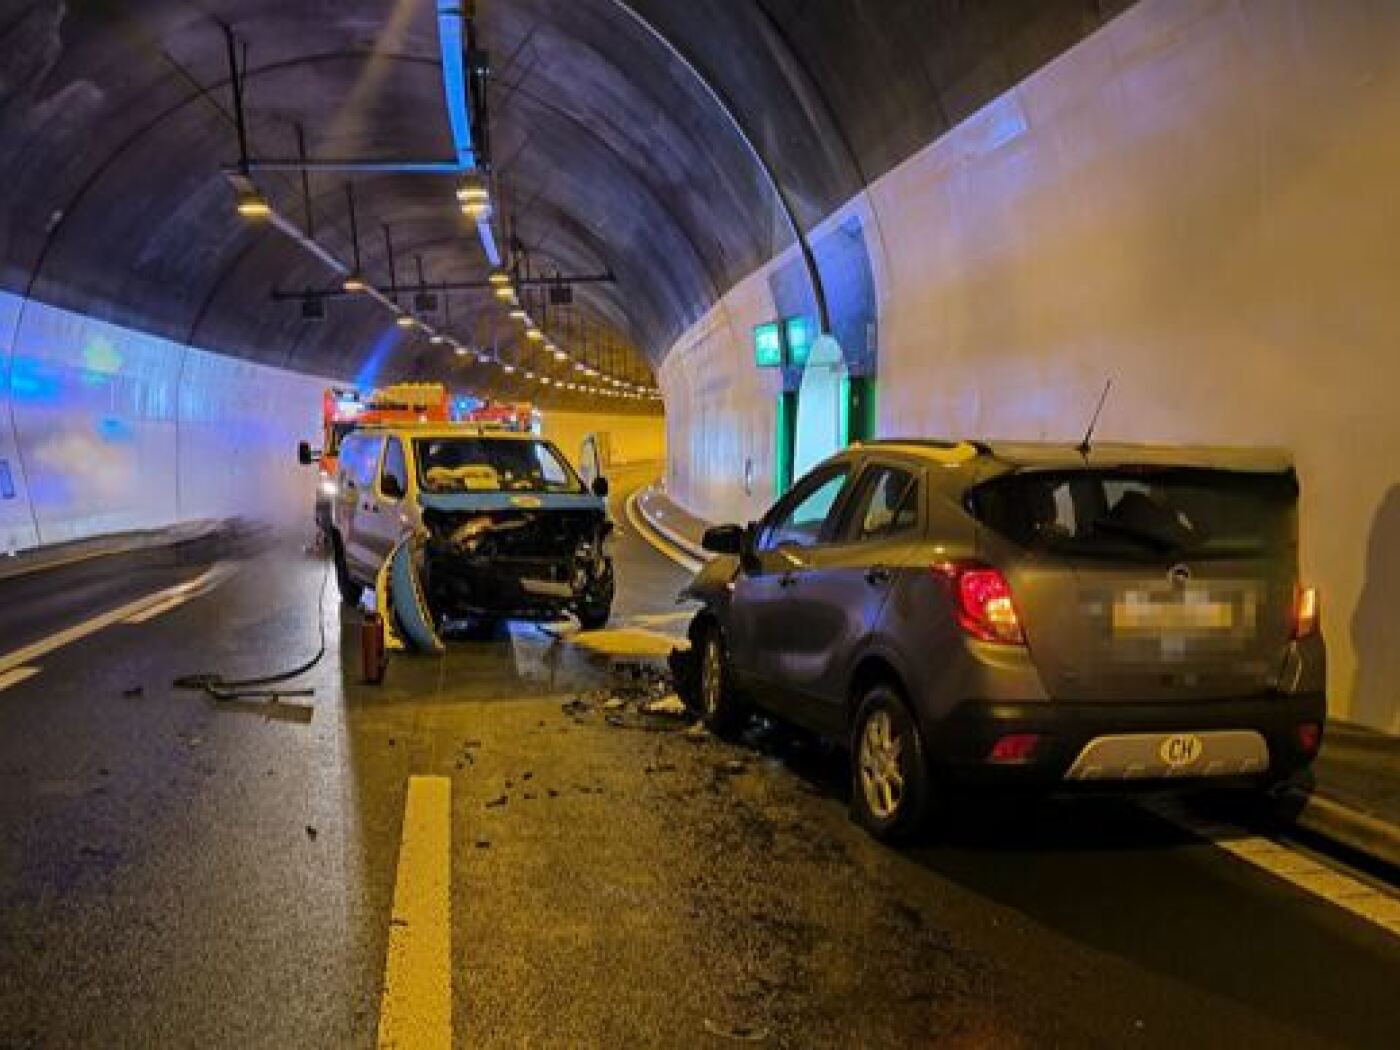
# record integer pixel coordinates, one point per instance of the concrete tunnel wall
(107, 429)
(1197, 201)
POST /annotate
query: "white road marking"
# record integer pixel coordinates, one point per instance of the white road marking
(416, 1008)
(17, 675)
(1336, 887)
(204, 582)
(655, 539)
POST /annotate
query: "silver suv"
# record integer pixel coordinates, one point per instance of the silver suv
(1022, 615)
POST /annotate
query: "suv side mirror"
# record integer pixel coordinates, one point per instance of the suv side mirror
(391, 487)
(600, 487)
(724, 539)
(304, 454)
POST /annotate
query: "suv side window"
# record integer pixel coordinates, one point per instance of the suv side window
(395, 467)
(885, 503)
(801, 520)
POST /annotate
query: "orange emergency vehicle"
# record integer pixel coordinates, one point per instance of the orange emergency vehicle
(343, 409)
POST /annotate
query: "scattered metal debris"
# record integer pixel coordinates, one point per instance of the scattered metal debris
(134, 692)
(311, 833)
(733, 767)
(670, 704)
(499, 801)
(738, 1033)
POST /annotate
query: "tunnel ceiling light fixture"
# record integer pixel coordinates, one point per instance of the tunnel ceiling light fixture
(517, 313)
(473, 197)
(560, 355)
(508, 368)
(437, 339)
(504, 292)
(353, 283)
(404, 321)
(499, 278)
(252, 204)
(533, 334)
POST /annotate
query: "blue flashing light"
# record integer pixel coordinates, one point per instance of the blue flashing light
(374, 363)
(32, 381)
(115, 431)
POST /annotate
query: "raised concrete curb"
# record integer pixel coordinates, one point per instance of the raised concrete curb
(686, 545)
(1341, 824)
(194, 540)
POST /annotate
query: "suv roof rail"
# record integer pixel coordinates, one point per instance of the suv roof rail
(949, 452)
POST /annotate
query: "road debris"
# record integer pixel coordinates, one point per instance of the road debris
(311, 833)
(670, 704)
(499, 801)
(697, 734)
(134, 692)
(738, 1033)
(733, 767)
(615, 703)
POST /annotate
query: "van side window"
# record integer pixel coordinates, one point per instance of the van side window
(395, 467)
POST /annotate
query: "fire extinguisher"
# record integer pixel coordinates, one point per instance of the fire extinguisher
(372, 659)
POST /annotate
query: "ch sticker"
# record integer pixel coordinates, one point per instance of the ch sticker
(1181, 749)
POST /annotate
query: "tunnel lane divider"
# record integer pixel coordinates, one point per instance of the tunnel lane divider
(1293, 866)
(17, 675)
(201, 584)
(659, 537)
(415, 1010)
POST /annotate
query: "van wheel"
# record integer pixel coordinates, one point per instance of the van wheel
(890, 783)
(595, 608)
(724, 714)
(350, 591)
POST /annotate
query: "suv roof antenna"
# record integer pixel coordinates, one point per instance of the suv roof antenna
(1084, 446)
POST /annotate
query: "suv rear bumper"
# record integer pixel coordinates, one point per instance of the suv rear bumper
(962, 742)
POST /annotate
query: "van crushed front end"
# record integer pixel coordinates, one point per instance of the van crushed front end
(503, 556)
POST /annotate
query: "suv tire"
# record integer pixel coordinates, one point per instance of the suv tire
(723, 713)
(890, 782)
(350, 591)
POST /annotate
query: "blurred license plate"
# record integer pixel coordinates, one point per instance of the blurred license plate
(1135, 615)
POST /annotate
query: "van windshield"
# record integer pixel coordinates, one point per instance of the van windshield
(1142, 512)
(486, 464)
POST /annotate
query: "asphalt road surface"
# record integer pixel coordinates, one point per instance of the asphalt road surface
(179, 872)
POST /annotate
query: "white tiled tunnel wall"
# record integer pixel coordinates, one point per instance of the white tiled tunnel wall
(106, 429)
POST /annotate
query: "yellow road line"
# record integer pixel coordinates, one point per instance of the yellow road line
(416, 1009)
(72, 634)
(16, 675)
(159, 609)
(1335, 887)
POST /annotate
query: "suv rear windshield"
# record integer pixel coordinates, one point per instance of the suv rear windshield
(485, 464)
(1146, 512)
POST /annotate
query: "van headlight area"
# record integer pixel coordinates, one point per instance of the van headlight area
(328, 487)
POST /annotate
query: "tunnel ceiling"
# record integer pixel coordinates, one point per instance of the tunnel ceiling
(615, 147)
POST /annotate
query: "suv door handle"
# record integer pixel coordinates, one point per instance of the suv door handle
(877, 575)
(787, 579)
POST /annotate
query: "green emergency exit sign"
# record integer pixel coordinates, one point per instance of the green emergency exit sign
(798, 333)
(768, 345)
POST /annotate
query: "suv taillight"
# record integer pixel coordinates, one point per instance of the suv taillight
(1305, 612)
(982, 598)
